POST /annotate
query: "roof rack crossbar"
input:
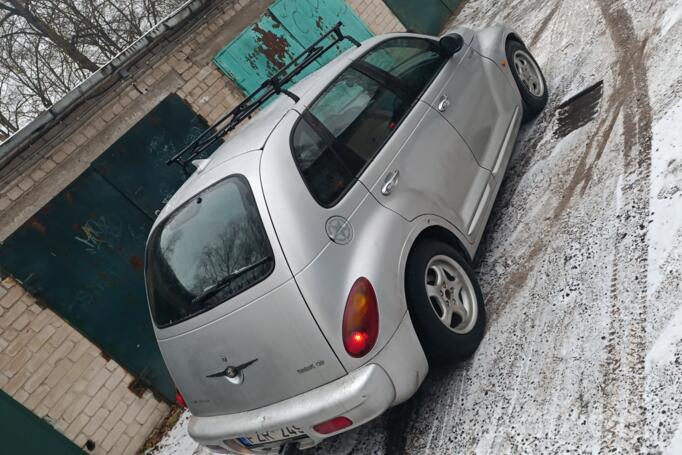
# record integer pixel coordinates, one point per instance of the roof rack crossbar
(272, 86)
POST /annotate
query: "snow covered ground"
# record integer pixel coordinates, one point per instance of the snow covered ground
(582, 262)
(177, 442)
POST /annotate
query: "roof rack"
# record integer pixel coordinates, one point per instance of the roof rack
(271, 87)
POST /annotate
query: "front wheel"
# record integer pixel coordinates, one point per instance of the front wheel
(445, 301)
(529, 79)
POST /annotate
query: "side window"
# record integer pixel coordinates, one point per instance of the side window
(414, 61)
(322, 169)
(360, 114)
(342, 131)
(351, 120)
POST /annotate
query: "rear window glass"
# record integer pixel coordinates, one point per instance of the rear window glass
(212, 248)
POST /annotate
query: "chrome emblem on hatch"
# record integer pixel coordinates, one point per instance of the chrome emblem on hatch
(234, 374)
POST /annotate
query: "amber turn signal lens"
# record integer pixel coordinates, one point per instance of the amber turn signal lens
(360, 319)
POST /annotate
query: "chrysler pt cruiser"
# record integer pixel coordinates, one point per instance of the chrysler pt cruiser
(311, 268)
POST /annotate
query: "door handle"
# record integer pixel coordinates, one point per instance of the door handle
(390, 182)
(443, 103)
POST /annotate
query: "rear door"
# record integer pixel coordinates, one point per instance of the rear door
(232, 325)
(424, 166)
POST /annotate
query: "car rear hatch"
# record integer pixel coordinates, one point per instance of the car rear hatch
(233, 328)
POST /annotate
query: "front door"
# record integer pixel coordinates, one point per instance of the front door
(478, 101)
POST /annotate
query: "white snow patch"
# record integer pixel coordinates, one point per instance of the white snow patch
(667, 208)
(178, 442)
(663, 350)
(671, 17)
(675, 447)
(666, 205)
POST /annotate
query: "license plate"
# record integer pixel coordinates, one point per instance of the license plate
(270, 437)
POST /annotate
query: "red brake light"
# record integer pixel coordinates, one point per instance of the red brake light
(360, 319)
(179, 399)
(333, 425)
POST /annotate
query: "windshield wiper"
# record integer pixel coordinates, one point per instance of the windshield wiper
(222, 284)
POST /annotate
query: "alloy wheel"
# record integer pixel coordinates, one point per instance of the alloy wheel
(529, 73)
(451, 294)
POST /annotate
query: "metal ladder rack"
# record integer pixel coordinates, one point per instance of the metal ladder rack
(271, 87)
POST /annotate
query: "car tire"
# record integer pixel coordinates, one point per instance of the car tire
(453, 333)
(529, 79)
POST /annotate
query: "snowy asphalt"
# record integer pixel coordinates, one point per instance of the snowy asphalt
(581, 264)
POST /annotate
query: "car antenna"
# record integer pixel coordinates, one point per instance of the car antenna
(275, 85)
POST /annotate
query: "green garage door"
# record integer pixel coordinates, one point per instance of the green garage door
(82, 253)
(423, 16)
(284, 31)
(24, 433)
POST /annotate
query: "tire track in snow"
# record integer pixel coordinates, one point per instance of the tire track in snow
(543, 26)
(507, 287)
(623, 384)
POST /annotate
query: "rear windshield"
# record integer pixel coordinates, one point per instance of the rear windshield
(212, 248)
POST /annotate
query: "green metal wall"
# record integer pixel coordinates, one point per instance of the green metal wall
(24, 433)
(82, 253)
(285, 30)
(423, 16)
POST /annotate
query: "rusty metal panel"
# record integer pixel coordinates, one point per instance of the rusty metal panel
(284, 31)
(307, 20)
(258, 53)
(82, 255)
(136, 163)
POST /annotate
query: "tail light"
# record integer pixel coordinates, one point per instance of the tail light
(360, 319)
(333, 425)
(179, 399)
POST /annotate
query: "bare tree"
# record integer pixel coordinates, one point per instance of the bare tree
(22, 8)
(8, 110)
(48, 46)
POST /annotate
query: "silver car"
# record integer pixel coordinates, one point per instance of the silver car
(308, 272)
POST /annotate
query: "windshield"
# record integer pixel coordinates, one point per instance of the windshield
(212, 248)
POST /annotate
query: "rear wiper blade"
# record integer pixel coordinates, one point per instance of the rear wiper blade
(217, 287)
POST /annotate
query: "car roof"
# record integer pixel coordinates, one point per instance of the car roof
(253, 135)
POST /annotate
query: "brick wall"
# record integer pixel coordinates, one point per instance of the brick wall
(58, 374)
(377, 16)
(44, 363)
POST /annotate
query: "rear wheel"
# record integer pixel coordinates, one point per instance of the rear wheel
(445, 301)
(529, 79)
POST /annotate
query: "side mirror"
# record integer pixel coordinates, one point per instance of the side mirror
(451, 44)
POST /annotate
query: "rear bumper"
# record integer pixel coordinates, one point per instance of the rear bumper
(361, 396)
